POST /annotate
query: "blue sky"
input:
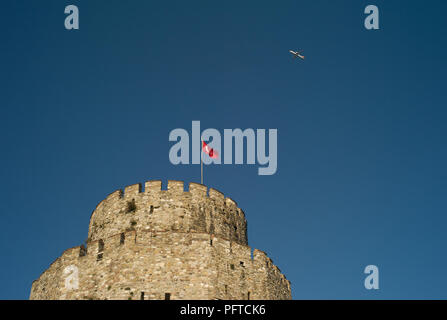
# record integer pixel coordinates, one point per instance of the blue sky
(361, 130)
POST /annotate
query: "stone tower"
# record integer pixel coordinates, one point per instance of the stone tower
(164, 244)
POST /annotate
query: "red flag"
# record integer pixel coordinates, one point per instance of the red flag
(209, 151)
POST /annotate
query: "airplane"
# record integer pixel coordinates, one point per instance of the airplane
(296, 54)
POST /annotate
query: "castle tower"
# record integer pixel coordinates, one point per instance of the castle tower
(164, 244)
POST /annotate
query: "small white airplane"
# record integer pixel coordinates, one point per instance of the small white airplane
(296, 54)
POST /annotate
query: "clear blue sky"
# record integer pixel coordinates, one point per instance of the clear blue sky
(361, 129)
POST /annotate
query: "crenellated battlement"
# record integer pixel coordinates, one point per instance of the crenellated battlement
(197, 210)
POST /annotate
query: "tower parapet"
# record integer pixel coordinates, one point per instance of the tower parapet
(173, 209)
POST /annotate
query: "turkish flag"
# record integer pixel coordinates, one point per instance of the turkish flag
(209, 151)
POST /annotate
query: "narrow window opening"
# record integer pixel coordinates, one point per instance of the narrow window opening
(242, 263)
(122, 238)
(248, 295)
(211, 242)
(232, 266)
(82, 251)
(142, 296)
(100, 245)
(151, 210)
(167, 296)
(100, 250)
(226, 289)
(131, 206)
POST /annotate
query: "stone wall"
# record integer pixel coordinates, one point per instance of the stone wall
(168, 210)
(185, 244)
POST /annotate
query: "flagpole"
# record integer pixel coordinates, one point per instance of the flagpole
(201, 162)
